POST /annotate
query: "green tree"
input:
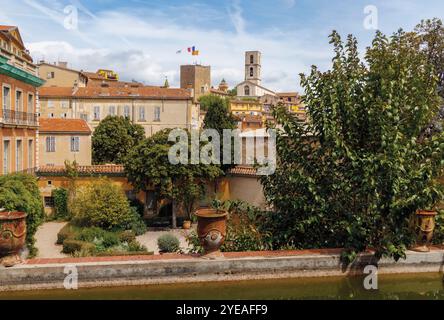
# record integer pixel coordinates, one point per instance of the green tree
(113, 138)
(147, 166)
(356, 172)
(218, 114)
(20, 192)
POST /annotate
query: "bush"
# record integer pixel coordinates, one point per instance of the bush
(61, 203)
(67, 232)
(72, 246)
(20, 192)
(168, 243)
(102, 204)
(136, 224)
(127, 236)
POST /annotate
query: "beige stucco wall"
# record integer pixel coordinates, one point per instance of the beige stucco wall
(247, 189)
(63, 150)
(62, 78)
(173, 113)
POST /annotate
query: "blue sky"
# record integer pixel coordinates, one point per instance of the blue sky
(139, 38)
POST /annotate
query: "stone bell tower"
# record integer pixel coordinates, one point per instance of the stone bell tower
(253, 67)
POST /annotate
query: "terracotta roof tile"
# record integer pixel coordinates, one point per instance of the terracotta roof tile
(142, 92)
(99, 169)
(6, 28)
(64, 125)
(243, 171)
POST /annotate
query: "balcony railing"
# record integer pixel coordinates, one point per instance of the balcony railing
(19, 118)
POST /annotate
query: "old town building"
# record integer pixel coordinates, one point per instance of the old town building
(154, 108)
(18, 96)
(63, 140)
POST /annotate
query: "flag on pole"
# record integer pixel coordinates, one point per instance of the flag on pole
(178, 51)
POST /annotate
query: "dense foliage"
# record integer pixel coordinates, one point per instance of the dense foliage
(354, 175)
(20, 192)
(61, 203)
(218, 114)
(147, 166)
(113, 138)
(102, 204)
(94, 241)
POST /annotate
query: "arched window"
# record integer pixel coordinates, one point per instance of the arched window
(251, 72)
(251, 59)
(247, 90)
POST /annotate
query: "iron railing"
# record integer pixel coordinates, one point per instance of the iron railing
(18, 118)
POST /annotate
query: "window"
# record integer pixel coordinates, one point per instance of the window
(51, 115)
(30, 154)
(141, 113)
(251, 59)
(49, 202)
(84, 116)
(126, 112)
(251, 72)
(19, 156)
(65, 104)
(30, 103)
(64, 115)
(96, 113)
(50, 75)
(112, 111)
(18, 100)
(202, 89)
(6, 98)
(157, 114)
(50, 144)
(75, 144)
(247, 90)
(50, 104)
(6, 156)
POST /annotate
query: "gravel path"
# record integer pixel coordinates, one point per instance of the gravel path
(46, 237)
(149, 239)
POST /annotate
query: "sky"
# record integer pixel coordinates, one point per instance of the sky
(139, 39)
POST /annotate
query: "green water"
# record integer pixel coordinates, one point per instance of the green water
(414, 286)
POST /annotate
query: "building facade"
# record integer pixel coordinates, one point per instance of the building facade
(18, 96)
(63, 140)
(154, 108)
(59, 75)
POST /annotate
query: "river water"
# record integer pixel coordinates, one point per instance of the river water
(411, 286)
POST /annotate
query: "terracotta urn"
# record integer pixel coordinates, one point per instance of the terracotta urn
(12, 237)
(425, 226)
(212, 231)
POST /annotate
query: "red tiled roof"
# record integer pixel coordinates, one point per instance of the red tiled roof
(6, 28)
(99, 169)
(55, 92)
(243, 171)
(64, 125)
(141, 92)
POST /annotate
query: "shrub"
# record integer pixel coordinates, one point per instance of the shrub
(89, 234)
(67, 232)
(136, 223)
(168, 243)
(110, 239)
(72, 246)
(20, 192)
(127, 236)
(102, 204)
(135, 246)
(61, 203)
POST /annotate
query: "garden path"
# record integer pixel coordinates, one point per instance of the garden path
(46, 237)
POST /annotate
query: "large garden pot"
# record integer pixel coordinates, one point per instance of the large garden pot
(12, 237)
(425, 226)
(212, 231)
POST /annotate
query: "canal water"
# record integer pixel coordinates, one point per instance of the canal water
(394, 287)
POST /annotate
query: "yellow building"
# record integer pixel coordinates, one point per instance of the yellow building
(246, 107)
(154, 108)
(63, 140)
(18, 118)
(59, 75)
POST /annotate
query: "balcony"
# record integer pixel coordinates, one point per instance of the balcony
(18, 118)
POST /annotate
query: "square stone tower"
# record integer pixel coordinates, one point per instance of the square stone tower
(253, 67)
(196, 77)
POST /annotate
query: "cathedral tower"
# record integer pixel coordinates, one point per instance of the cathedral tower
(253, 67)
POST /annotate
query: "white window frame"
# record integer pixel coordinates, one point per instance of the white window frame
(50, 142)
(18, 155)
(75, 143)
(6, 156)
(125, 113)
(112, 111)
(96, 111)
(142, 113)
(157, 111)
(19, 103)
(3, 96)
